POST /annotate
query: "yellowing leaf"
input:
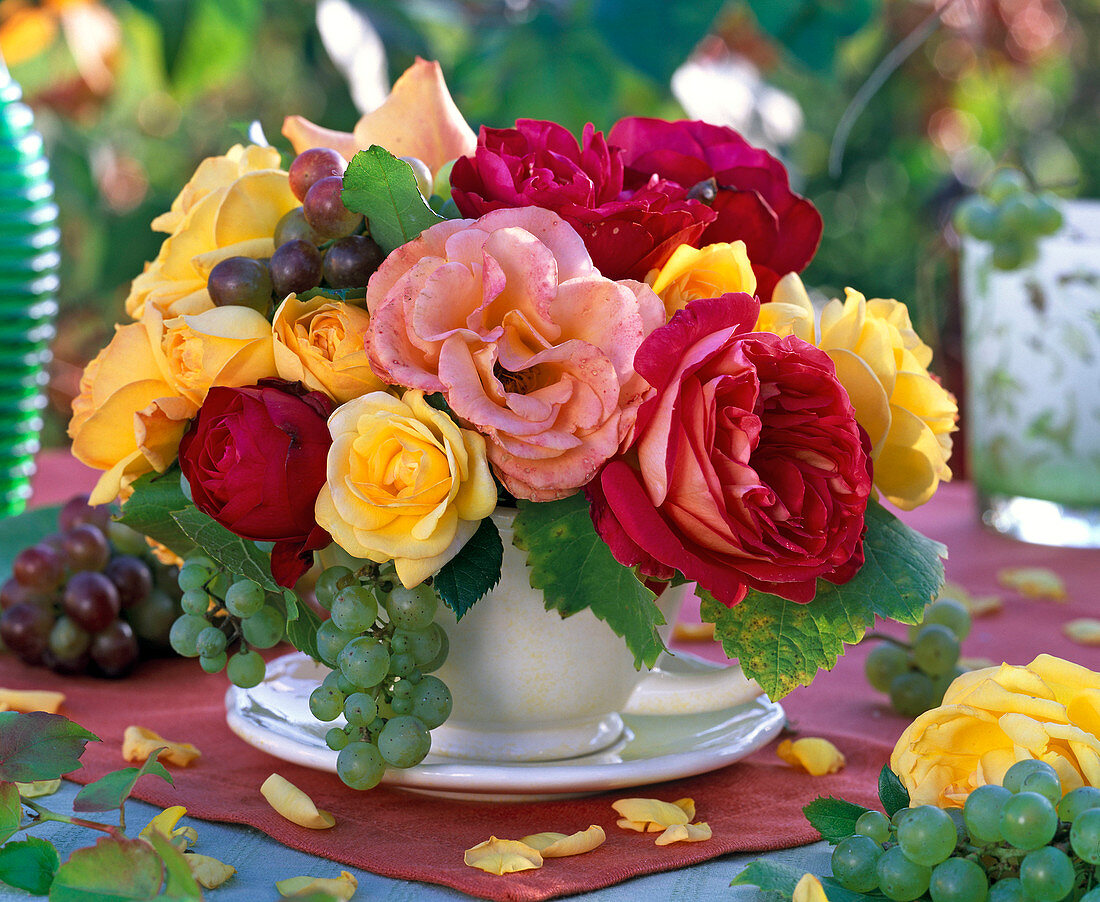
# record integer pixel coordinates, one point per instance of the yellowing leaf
(809, 889)
(684, 833)
(138, 743)
(208, 872)
(654, 812)
(27, 700)
(1083, 631)
(1034, 582)
(293, 804)
(812, 754)
(558, 845)
(38, 788)
(502, 856)
(342, 887)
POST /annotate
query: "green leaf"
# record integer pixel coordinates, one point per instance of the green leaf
(238, 556)
(783, 644)
(217, 43)
(16, 533)
(473, 571)
(111, 790)
(891, 793)
(180, 883)
(833, 818)
(113, 870)
(348, 295)
(775, 880)
(575, 570)
(301, 631)
(40, 746)
(11, 811)
(383, 189)
(812, 31)
(29, 864)
(149, 510)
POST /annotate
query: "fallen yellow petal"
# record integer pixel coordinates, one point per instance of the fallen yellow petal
(653, 811)
(812, 754)
(976, 605)
(627, 824)
(208, 872)
(165, 824)
(28, 700)
(687, 806)
(684, 833)
(342, 887)
(293, 804)
(1034, 582)
(693, 632)
(503, 856)
(138, 743)
(809, 889)
(1083, 631)
(558, 845)
(38, 788)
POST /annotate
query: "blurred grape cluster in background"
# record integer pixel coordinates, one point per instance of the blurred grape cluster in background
(886, 111)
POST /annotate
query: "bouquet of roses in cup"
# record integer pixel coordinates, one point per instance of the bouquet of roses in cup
(336, 372)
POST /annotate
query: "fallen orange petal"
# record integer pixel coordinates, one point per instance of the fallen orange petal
(559, 845)
(293, 804)
(28, 700)
(502, 856)
(684, 833)
(812, 754)
(138, 743)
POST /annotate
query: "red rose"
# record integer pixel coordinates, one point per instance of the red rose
(754, 202)
(540, 164)
(255, 460)
(747, 467)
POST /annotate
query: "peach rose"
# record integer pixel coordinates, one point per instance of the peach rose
(527, 341)
(404, 483)
(322, 344)
(706, 272)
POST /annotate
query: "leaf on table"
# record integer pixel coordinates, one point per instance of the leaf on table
(833, 818)
(893, 795)
(113, 870)
(575, 570)
(11, 811)
(383, 188)
(149, 510)
(238, 556)
(40, 746)
(111, 790)
(470, 574)
(180, 882)
(29, 864)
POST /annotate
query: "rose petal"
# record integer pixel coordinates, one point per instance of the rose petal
(293, 804)
(693, 632)
(654, 811)
(812, 754)
(1083, 630)
(809, 889)
(684, 833)
(138, 743)
(342, 887)
(208, 872)
(27, 700)
(165, 824)
(558, 845)
(1034, 582)
(502, 856)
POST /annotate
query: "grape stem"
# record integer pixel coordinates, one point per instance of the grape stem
(883, 637)
(42, 815)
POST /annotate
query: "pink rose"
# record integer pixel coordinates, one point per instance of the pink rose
(540, 164)
(754, 203)
(529, 344)
(747, 467)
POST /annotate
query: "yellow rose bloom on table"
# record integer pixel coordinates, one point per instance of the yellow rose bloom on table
(994, 717)
(404, 483)
(705, 272)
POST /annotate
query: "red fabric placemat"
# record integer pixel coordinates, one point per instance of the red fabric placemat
(754, 805)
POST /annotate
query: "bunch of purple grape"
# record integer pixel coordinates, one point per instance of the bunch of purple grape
(89, 598)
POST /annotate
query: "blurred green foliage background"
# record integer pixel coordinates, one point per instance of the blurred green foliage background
(131, 94)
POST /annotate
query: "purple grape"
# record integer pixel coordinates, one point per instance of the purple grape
(132, 577)
(312, 165)
(240, 282)
(39, 567)
(293, 225)
(91, 600)
(295, 267)
(115, 648)
(325, 211)
(13, 592)
(351, 261)
(76, 512)
(86, 547)
(25, 629)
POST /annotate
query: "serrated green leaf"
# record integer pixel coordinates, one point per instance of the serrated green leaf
(238, 556)
(180, 882)
(29, 864)
(472, 572)
(833, 818)
(384, 190)
(302, 631)
(834, 892)
(891, 793)
(575, 570)
(348, 295)
(111, 790)
(775, 880)
(149, 510)
(40, 746)
(113, 870)
(16, 533)
(11, 811)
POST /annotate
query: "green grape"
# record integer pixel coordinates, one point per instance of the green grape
(943, 682)
(336, 738)
(912, 693)
(326, 703)
(184, 635)
(220, 584)
(885, 662)
(423, 645)
(1018, 214)
(125, 539)
(360, 765)
(1014, 777)
(1004, 183)
(375, 726)
(441, 658)
(982, 813)
(1093, 895)
(364, 661)
(331, 581)
(898, 816)
(360, 709)
(1046, 874)
(210, 642)
(404, 741)
(402, 689)
(431, 703)
(402, 705)
(935, 649)
(402, 665)
(245, 598)
(193, 575)
(195, 601)
(1084, 836)
(950, 613)
(1028, 820)
(213, 663)
(1077, 801)
(355, 609)
(331, 641)
(399, 643)
(246, 669)
(855, 860)
(958, 880)
(1013, 253)
(1007, 889)
(899, 878)
(265, 628)
(874, 824)
(1043, 783)
(412, 609)
(1048, 214)
(975, 216)
(927, 836)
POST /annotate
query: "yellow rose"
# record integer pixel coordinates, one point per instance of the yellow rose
(229, 208)
(992, 718)
(322, 344)
(882, 363)
(404, 483)
(706, 272)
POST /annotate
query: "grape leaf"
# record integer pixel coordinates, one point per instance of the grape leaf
(777, 882)
(833, 818)
(891, 793)
(473, 571)
(180, 883)
(575, 570)
(349, 295)
(783, 644)
(384, 189)
(113, 870)
(301, 630)
(238, 556)
(111, 790)
(29, 864)
(11, 811)
(149, 510)
(40, 746)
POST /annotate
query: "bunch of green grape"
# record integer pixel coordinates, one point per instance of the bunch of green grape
(383, 643)
(219, 610)
(917, 673)
(1009, 215)
(1022, 841)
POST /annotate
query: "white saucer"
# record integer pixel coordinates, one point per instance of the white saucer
(274, 717)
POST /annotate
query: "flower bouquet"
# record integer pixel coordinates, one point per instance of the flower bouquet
(335, 373)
